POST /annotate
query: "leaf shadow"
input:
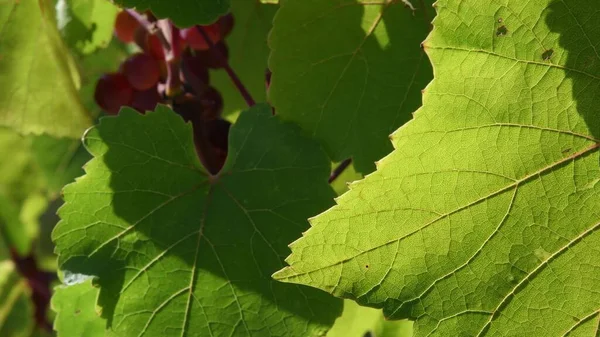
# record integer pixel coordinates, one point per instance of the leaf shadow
(186, 245)
(578, 25)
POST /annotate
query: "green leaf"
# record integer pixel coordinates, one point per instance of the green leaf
(37, 77)
(95, 65)
(340, 185)
(16, 310)
(349, 72)
(184, 13)
(21, 185)
(248, 55)
(60, 160)
(483, 221)
(76, 313)
(86, 25)
(179, 252)
(357, 321)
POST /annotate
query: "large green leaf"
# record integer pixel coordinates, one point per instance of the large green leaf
(16, 309)
(37, 77)
(86, 25)
(349, 72)
(179, 252)
(21, 191)
(484, 220)
(183, 13)
(76, 314)
(248, 55)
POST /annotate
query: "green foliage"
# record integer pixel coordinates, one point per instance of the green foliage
(349, 72)
(183, 13)
(357, 321)
(248, 52)
(76, 311)
(37, 75)
(16, 312)
(179, 252)
(86, 25)
(483, 220)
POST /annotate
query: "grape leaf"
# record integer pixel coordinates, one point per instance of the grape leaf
(21, 184)
(16, 310)
(184, 13)
(179, 252)
(76, 311)
(484, 220)
(349, 72)
(86, 25)
(60, 160)
(248, 55)
(30, 44)
(357, 321)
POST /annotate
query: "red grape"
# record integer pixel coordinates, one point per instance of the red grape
(113, 91)
(145, 100)
(218, 133)
(226, 23)
(214, 59)
(193, 71)
(125, 27)
(154, 47)
(212, 104)
(142, 71)
(189, 108)
(196, 41)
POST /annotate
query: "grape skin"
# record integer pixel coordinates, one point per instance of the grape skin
(113, 91)
(142, 71)
(125, 27)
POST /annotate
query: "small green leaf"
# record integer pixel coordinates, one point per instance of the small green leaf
(86, 25)
(357, 321)
(76, 313)
(183, 13)
(179, 252)
(349, 72)
(37, 75)
(484, 220)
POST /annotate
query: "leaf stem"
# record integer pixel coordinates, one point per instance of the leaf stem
(339, 170)
(232, 75)
(174, 87)
(150, 24)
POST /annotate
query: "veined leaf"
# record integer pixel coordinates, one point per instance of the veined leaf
(349, 72)
(30, 44)
(484, 220)
(179, 252)
(184, 13)
(76, 311)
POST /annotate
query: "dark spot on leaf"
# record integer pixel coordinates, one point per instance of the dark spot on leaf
(566, 150)
(367, 266)
(77, 312)
(501, 31)
(547, 54)
(368, 334)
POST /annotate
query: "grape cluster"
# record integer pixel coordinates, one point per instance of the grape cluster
(141, 80)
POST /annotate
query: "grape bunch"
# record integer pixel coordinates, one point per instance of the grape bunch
(141, 80)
